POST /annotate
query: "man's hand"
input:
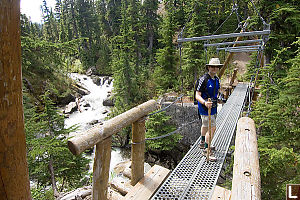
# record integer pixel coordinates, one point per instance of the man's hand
(208, 104)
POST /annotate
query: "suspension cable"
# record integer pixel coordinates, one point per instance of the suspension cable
(262, 19)
(161, 110)
(258, 62)
(168, 134)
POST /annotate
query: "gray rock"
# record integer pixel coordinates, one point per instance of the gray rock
(182, 115)
(70, 108)
(96, 80)
(108, 102)
(66, 99)
(92, 71)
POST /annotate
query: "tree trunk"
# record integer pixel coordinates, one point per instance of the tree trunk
(14, 179)
(53, 181)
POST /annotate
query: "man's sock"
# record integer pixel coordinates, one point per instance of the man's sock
(202, 138)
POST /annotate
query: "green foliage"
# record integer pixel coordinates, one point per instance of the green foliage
(39, 193)
(165, 72)
(124, 38)
(46, 140)
(277, 113)
(157, 125)
(193, 52)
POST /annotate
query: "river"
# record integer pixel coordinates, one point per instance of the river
(92, 110)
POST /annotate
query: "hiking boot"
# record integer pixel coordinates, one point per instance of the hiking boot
(202, 144)
(212, 148)
(211, 156)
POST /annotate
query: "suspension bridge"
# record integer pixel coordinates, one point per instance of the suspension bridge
(193, 178)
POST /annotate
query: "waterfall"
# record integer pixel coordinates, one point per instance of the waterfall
(91, 111)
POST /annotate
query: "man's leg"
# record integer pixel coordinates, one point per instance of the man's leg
(203, 133)
(213, 129)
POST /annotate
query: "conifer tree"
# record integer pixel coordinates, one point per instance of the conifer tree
(276, 113)
(165, 72)
(50, 161)
(193, 52)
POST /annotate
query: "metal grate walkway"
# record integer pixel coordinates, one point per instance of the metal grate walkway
(194, 177)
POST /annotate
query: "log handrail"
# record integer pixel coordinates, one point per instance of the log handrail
(96, 134)
(100, 135)
(246, 174)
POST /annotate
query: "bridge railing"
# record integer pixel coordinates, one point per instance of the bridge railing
(100, 135)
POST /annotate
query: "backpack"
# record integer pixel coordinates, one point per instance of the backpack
(195, 89)
(195, 100)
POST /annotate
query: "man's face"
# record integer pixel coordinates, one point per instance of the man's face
(213, 69)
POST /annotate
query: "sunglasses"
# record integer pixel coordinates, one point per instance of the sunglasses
(214, 66)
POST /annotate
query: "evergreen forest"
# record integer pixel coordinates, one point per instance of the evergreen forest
(135, 42)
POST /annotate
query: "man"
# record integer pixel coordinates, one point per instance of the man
(208, 87)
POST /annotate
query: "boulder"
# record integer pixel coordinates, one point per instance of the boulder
(66, 99)
(105, 78)
(96, 80)
(95, 121)
(108, 102)
(91, 71)
(81, 90)
(70, 108)
(110, 80)
(79, 193)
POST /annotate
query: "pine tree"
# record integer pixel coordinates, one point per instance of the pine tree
(50, 161)
(165, 72)
(276, 113)
(158, 125)
(193, 52)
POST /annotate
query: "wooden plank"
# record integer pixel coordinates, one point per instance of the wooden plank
(221, 193)
(113, 195)
(147, 186)
(121, 185)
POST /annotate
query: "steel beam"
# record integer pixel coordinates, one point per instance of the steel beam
(236, 42)
(239, 47)
(222, 36)
(242, 50)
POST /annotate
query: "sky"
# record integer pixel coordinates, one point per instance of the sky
(32, 8)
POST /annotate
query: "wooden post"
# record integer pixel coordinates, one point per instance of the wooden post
(101, 169)
(233, 76)
(137, 151)
(209, 132)
(246, 174)
(14, 179)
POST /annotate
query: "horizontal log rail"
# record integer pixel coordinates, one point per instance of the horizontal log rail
(246, 174)
(100, 135)
(96, 134)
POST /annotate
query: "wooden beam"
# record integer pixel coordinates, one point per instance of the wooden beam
(246, 174)
(137, 151)
(228, 59)
(99, 132)
(101, 169)
(148, 185)
(14, 178)
(233, 76)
